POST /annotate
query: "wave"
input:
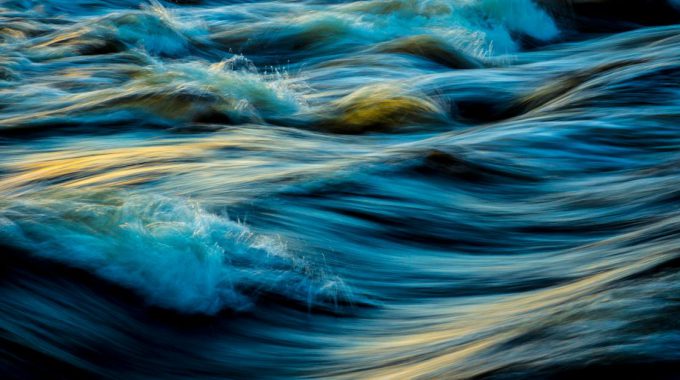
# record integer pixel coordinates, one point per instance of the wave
(481, 27)
(230, 91)
(170, 251)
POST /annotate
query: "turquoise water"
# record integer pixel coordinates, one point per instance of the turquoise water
(332, 189)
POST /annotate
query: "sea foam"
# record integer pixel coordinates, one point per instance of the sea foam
(170, 251)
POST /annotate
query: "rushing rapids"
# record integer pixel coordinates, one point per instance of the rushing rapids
(390, 189)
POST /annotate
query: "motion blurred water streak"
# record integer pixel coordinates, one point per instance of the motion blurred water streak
(391, 189)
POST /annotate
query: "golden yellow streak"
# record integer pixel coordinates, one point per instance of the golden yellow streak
(467, 331)
(64, 37)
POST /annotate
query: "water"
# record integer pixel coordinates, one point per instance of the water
(333, 189)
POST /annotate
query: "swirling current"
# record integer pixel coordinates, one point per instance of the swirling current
(399, 189)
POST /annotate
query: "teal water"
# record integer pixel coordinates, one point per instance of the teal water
(333, 189)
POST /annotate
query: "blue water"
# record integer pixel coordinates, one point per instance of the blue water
(390, 189)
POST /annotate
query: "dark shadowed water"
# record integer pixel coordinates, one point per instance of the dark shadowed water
(390, 189)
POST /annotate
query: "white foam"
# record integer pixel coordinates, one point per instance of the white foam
(170, 251)
(482, 26)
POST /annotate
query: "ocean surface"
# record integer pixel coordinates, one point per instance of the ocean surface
(400, 189)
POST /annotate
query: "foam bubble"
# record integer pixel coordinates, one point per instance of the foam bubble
(171, 251)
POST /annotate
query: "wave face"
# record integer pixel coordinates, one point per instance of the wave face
(466, 189)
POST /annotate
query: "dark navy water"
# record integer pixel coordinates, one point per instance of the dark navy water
(390, 189)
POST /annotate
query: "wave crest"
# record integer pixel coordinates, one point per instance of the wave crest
(171, 251)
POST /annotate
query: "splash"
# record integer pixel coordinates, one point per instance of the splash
(171, 251)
